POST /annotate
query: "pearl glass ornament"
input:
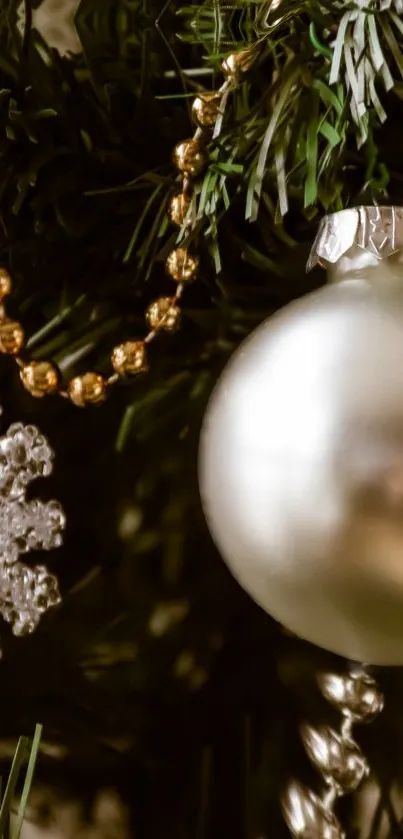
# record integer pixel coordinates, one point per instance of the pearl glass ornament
(301, 460)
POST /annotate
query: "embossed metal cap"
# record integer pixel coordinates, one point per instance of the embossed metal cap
(378, 230)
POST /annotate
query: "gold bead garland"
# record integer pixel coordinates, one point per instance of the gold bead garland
(164, 314)
(130, 358)
(43, 378)
(5, 283)
(181, 266)
(189, 157)
(89, 389)
(11, 336)
(178, 209)
(205, 109)
(40, 378)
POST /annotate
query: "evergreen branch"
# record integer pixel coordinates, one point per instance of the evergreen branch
(72, 163)
(323, 94)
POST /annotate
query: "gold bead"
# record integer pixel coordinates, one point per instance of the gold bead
(11, 336)
(238, 63)
(5, 283)
(40, 378)
(163, 314)
(178, 208)
(89, 389)
(181, 266)
(189, 157)
(205, 109)
(130, 358)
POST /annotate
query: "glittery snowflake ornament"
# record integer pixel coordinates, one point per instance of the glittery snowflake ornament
(26, 592)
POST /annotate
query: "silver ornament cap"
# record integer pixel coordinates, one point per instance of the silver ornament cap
(301, 454)
(376, 230)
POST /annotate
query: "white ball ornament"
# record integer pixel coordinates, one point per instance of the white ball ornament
(301, 456)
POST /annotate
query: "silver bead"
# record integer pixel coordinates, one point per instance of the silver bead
(357, 695)
(335, 754)
(306, 815)
(338, 758)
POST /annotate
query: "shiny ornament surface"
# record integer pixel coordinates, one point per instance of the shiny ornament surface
(11, 336)
(334, 754)
(336, 757)
(130, 358)
(163, 314)
(40, 378)
(301, 467)
(205, 109)
(238, 63)
(308, 817)
(89, 389)
(5, 283)
(357, 695)
(182, 266)
(178, 209)
(189, 157)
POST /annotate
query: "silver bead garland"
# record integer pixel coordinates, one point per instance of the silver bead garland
(335, 754)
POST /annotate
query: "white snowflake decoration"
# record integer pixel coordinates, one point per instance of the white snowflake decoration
(25, 592)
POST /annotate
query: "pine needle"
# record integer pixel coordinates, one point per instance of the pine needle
(28, 782)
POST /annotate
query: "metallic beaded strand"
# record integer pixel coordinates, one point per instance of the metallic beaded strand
(335, 754)
(42, 378)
